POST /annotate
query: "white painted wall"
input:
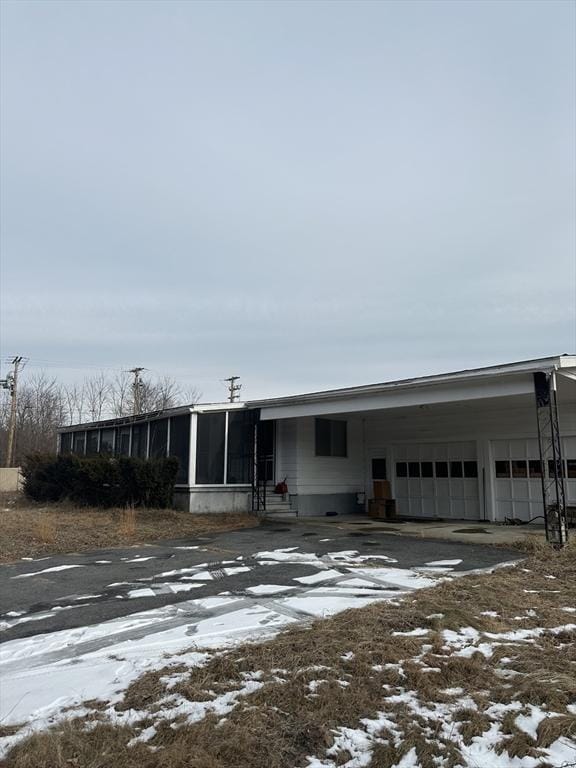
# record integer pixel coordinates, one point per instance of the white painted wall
(215, 500)
(328, 474)
(286, 445)
(478, 425)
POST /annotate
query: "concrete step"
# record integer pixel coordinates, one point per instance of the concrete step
(277, 503)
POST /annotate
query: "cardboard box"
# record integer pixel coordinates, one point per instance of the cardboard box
(381, 489)
(382, 508)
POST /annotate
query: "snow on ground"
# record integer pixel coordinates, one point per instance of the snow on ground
(47, 570)
(444, 562)
(44, 674)
(320, 576)
(268, 589)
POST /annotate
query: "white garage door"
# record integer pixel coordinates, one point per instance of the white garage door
(437, 480)
(518, 477)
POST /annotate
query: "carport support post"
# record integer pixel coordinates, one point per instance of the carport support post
(552, 466)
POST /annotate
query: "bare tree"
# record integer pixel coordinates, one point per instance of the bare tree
(97, 394)
(154, 395)
(74, 397)
(42, 408)
(44, 405)
(121, 399)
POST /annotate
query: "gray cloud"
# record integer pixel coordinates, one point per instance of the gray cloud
(305, 194)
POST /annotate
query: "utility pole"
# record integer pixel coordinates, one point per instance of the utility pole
(233, 388)
(11, 383)
(136, 390)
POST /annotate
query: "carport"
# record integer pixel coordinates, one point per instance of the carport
(457, 446)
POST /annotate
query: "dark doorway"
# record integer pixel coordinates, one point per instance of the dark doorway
(266, 435)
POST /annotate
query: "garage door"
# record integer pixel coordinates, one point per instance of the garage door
(518, 477)
(437, 480)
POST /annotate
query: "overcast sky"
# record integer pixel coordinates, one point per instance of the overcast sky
(306, 194)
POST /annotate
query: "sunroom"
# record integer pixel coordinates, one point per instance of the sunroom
(214, 445)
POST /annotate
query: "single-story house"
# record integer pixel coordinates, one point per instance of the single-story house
(473, 445)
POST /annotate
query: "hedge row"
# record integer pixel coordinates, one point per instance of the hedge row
(100, 481)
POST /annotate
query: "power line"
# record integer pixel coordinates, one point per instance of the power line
(39, 363)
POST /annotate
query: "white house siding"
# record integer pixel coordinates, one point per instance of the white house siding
(286, 448)
(328, 483)
(467, 431)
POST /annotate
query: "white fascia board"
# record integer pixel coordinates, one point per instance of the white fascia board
(210, 407)
(568, 374)
(403, 398)
(547, 364)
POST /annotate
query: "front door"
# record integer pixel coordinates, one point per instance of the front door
(266, 434)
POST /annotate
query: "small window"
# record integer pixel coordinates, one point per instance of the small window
(378, 469)
(571, 469)
(519, 468)
(413, 469)
(535, 468)
(502, 469)
(470, 469)
(331, 438)
(427, 469)
(401, 469)
(441, 469)
(456, 469)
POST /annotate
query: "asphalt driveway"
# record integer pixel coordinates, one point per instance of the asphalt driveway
(76, 590)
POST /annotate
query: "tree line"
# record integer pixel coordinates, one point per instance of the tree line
(44, 404)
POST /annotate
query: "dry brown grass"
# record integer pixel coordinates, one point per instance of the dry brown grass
(33, 530)
(46, 531)
(127, 525)
(286, 720)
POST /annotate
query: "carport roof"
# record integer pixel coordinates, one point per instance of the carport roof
(286, 406)
(466, 379)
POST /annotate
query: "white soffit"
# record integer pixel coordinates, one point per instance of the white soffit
(568, 374)
(402, 397)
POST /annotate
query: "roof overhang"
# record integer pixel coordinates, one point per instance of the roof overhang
(478, 384)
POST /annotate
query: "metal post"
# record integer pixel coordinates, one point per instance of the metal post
(225, 475)
(255, 495)
(552, 465)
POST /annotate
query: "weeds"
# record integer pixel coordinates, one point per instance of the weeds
(35, 530)
(127, 525)
(316, 682)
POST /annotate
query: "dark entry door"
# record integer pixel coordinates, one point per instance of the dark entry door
(266, 434)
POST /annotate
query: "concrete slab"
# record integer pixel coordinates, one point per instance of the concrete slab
(476, 532)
